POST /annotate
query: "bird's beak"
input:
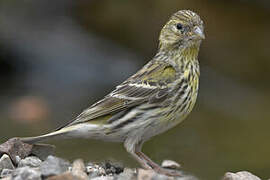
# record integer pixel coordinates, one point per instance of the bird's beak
(198, 32)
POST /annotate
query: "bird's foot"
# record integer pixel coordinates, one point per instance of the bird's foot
(167, 172)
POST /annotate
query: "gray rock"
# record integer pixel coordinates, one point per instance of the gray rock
(30, 161)
(5, 163)
(89, 168)
(93, 175)
(17, 159)
(161, 177)
(127, 174)
(243, 175)
(152, 175)
(112, 168)
(170, 164)
(103, 178)
(187, 177)
(53, 166)
(24, 173)
(95, 170)
(15, 147)
(6, 172)
(64, 176)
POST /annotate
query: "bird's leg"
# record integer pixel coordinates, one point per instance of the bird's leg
(156, 167)
(142, 162)
(133, 148)
(147, 163)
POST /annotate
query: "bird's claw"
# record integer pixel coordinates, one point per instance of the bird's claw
(167, 172)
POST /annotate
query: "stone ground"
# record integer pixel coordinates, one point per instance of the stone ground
(20, 161)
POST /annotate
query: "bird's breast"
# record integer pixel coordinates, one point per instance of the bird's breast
(184, 94)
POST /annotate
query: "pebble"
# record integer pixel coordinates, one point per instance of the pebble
(7, 178)
(24, 173)
(170, 164)
(89, 168)
(5, 173)
(145, 174)
(78, 169)
(93, 175)
(103, 178)
(95, 170)
(242, 175)
(127, 174)
(162, 177)
(112, 168)
(30, 161)
(64, 176)
(5, 163)
(187, 177)
(53, 166)
(17, 159)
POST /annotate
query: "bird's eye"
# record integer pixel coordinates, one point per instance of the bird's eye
(179, 26)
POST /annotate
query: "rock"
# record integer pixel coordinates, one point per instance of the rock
(95, 170)
(17, 159)
(78, 169)
(7, 178)
(64, 176)
(5, 163)
(42, 151)
(30, 161)
(6, 172)
(78, 165)
(170, 164)
(93, 175)
(26, 173)
(15, 147)
(112, 168)
(243, 175)
(103, 178)
(162, 177)
(89, 168)
(187, 177)
(145, 174)
(127, 174)
(53, 166)
(152, 175)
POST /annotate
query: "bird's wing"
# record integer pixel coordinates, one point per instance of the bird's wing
(150, 84)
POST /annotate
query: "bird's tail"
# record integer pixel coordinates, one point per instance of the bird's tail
(56, 134)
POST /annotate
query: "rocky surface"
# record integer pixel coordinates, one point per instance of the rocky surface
(55, 168)
(18, 165)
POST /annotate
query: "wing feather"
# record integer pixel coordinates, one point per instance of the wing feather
(147, 85)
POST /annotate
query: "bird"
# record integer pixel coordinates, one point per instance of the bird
(153, 100)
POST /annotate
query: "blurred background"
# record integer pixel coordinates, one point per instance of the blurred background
(58, 57)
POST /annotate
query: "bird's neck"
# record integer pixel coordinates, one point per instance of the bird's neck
(181, 55)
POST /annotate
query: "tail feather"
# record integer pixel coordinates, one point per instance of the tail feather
(74, 131)
(35, 139)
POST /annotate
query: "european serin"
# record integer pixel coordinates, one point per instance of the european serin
(155, 99)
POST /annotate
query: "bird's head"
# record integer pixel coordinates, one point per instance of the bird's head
(184, 29)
